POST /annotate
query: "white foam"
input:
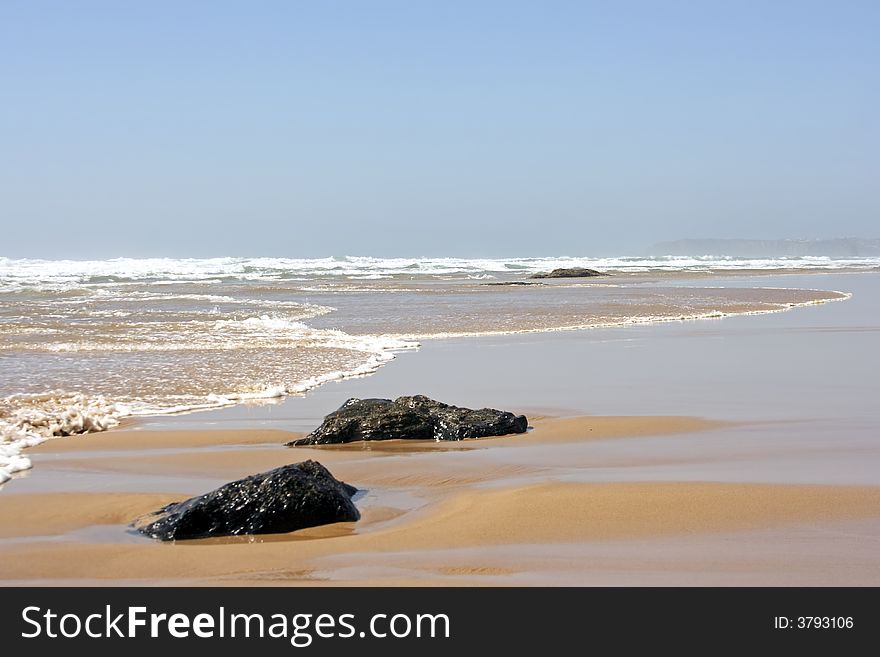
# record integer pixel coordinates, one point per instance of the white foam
(266, 322)
(28, 420)
(17, 274)
(271, 392)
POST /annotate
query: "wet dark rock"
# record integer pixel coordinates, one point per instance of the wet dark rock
(512, 283)
(571, 272)
(410, 417)
(282, 500)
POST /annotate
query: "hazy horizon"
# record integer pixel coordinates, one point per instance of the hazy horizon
(400, 129)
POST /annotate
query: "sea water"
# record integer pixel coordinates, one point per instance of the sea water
(84, 344)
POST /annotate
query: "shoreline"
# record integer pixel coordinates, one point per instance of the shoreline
(681, 453)
(639, 321)
(108, 414)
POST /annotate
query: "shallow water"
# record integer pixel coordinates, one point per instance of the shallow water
(83, 345)
(803, 383)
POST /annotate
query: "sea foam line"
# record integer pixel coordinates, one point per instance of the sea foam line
(27, 420)
(628, 321)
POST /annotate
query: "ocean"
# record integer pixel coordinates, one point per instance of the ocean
(85, 344)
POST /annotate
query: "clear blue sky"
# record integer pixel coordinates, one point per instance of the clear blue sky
(433, 128)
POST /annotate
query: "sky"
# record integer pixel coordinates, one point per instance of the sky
(416, 128)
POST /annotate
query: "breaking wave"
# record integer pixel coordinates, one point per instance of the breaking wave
(16, 274)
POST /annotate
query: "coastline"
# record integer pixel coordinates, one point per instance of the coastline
(707, 453)
(30, 417)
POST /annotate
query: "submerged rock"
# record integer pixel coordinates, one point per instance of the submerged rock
(282, 500)
(571, 272)
(410, 417)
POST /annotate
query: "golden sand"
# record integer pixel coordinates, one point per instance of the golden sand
(470, 522)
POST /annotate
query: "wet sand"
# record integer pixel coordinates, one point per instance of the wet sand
(431, 515)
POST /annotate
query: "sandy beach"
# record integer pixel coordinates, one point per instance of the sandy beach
(449, 523)
(653, 470)
(452, 524)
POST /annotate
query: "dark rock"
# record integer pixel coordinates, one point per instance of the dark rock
(282, 500)
(572, 272)
(512, 283)
(410, 417)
